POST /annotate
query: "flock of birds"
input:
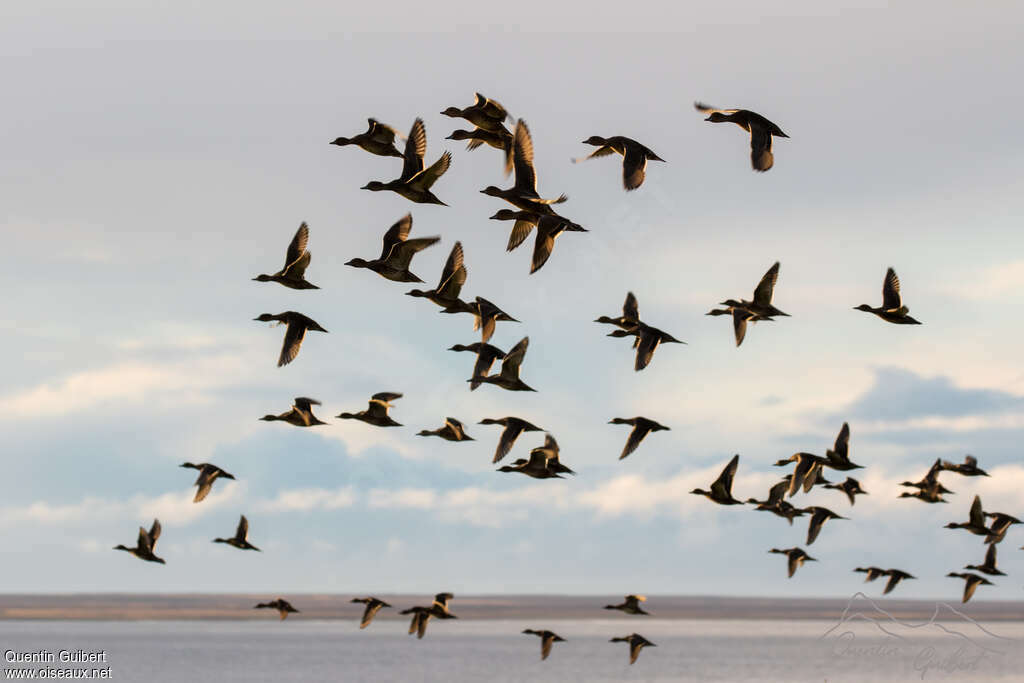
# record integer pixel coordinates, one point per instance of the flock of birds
(535, 212)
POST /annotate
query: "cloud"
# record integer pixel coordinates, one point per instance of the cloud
(303, 500)
(898, 394)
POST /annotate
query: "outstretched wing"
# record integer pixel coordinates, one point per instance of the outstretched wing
(415, 149)
(298, 246)
(891, 291)
(522, 159)
(765, 288)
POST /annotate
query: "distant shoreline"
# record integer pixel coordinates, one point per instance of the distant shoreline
(135, 607)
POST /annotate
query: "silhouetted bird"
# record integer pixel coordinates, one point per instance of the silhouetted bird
(207, 475)
(296, 260)
(548, 229)
(508, 377)
(485, 113)
(796, 557)
(636, 643)
(989, 566)
(630, 605)
(523, 193)
(301, 414)
(968, 468)
(895, 576)
(721, 488)
(452, 431)
(819, 515)
(872, 572)
(641, 428)
(397, 252)
(485, 357)
(283, 607)
(146, 542)
(514, 426)
(838, 457)
(972, 581)
(761, 132)
(415, 182)
(294, 333)
(547, 639)
(634, 157)
(373, 605)
(378, 139)
(485, 315)
(975, 522)
(761, 306)
(630, 317)
(446, 294)
(376, 413)
(241, 538)
(892, 309)
(500, 139)
(851, 487)
(1001, 523)
(421, 615)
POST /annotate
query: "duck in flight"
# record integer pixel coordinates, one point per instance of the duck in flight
(740, 318)
(547, 639)
(819, 515)
(806, 474)
(548, 230)
(989, 566)
(872, 572)
(636, 643)
(634, 157)
(485, 113)
(485, 357)
(776, 504)
(514, 426)
(630, 605)
(283, 607)
(975, 522)
(721, 488)
(295, 332)
(508, 377)
(630, 317)
(301, 414)
(373, 605)
(542, 464)
(796, 557)
(851, 487)
(376, 413)
(895, 576)
(838, 457)
(761, 307)
(378, 139)
(550, 451)
(207, 475)
(929, 488)
(641, 428)
(647, 341)
(453, 277)
(892, 309)
(421, 615)
(452, 431)
(296, 260)
(500, 139)
(146, 542)
(526, 221)
(397, 252)
(968, 468)
(485, 316)
(971, 583)
(1001, 523)
(523, 193)
(241, 538)
(415, 182)
(761, 132)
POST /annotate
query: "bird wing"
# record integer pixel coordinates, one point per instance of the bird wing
(842, 445)
(205, 483)
(514, 359)
(507, 440)
(765, 288)
(381, 132)
(242, 533)
(817, 521)
(401, 255)
(977, 516)
(761, 157)
(293, 337)
(634, 649)
(634, 165)
(546, 641)
(891, 291)
(520, 231)
(646, 342)
(305, 404)
(143, 543)
(631, 308)
(970, 586)
(454, 274)
(794, 562)
(636, 435)
(386, 396)
(415, 149)
(723, 485)
(544, 244)
(154, 533)
(370, 612)
(708, 109)
(297, 247)
(739, 324)
(522, 160)
(894, 578)
(297, 269)
(396, 234)
(420, 620)
(425, 179)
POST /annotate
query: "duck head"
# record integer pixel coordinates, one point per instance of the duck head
(341, 142)
(460, 135)
(416, 293)
(374, 186)
(505, 215)
(265, 318)
(263, 277)
(454, 112)
(492, 190)
(862, 307)
(595, 140)
(717, 117)
(358, 263)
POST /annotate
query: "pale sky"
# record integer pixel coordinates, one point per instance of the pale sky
(156, 158)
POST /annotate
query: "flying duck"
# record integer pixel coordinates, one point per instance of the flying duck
(851, 487)
(972, 581)
(514, 426)
(550, 451)
(740, 318)
(146, 542)
(415, 182)
(547, 639)
(485, 113)
(397, 252)
(525, 221)
(296, 260)
(761, 306)
(806, 473)
(796, 557)
(838, 457)
(446, 294)
(301, 414)
(508, 378)
(975, 522)
(499, 139)
(297, 324)
(641, 428)
(634, 157)
(548, 230)
(892, 309)
(373, 605)
(775, 503)
(283, 607)
(721, 488)
(523, 194)
(630, 317)
(968, 468)
(376, 413)
(1001, 523)
(485, 357)
(452, 431)
(989, 566)
(819, 515)
(241, 538)
(378, 139)
(636, 643)
(647, 340)
(485, 315)
(630, 605)
(872, 572)
(538, 465)
(207, 475)
(895, 576)
(761, 132)
(421, 615)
